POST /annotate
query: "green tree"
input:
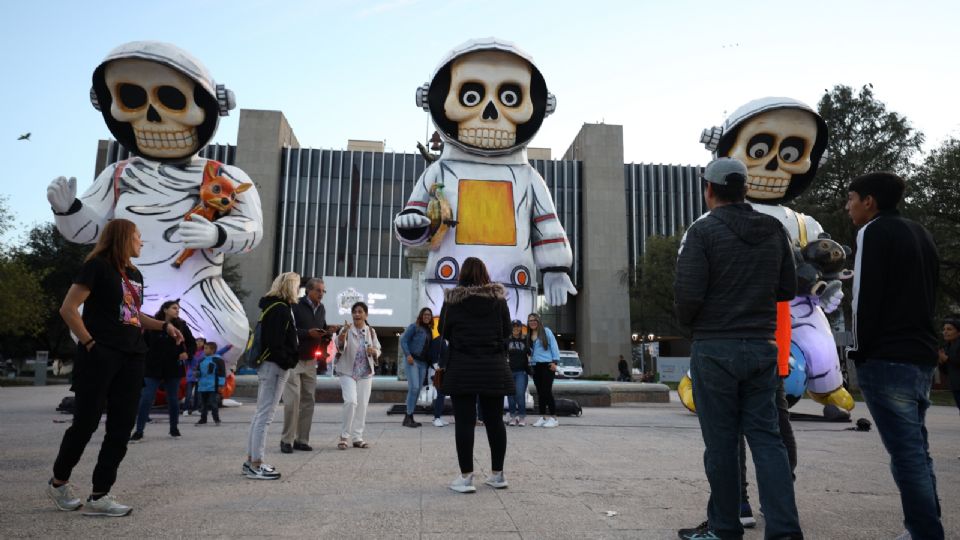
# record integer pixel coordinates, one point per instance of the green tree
(864, 137)
(22, 300)
(651, 289)
(934, 201)
(47, 253)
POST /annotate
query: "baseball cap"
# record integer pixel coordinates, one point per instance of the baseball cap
(718, 170)
(516, 322)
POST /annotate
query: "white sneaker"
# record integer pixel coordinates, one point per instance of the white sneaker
(438, 422)
(64, 497)
(496, 481)
(445, 422)
(106, 506)
(540, 422)
(507, 420)
(551, 423)
(521, 422)
(463, 484)
(263, 472)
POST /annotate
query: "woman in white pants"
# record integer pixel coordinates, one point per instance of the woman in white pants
(278, 334)
(359, 350)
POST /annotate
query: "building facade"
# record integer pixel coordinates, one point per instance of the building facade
(332, 215)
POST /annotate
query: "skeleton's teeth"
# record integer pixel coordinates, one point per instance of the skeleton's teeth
(767, 185)
(166, 140)
(487, 138)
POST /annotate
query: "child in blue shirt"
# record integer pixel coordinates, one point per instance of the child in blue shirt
(211, 376)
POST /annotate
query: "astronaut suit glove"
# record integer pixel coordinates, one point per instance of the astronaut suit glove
(556, 287)
(61, 193)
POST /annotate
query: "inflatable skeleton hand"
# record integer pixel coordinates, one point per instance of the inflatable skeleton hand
(556, 287)
(198, 233)
(61, 193)
(831, 296)
(411, 221)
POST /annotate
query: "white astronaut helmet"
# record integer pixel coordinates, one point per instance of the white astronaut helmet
(784, 142)
(159, 101)
(487, 97)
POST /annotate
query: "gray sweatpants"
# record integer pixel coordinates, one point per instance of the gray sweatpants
(271, 378)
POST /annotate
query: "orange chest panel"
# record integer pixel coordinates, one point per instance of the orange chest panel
(485, 213)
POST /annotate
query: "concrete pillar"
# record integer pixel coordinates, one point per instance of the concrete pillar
(415, 257)
(603, 302)
(261, 137)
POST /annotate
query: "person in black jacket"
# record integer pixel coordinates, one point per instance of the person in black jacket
(164, 366)
(950, 356)
(278, 332)
(298, 392)
(519, 354)
(475, 321)
(896, 272)
(734, 265)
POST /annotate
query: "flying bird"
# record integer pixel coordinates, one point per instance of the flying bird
(24, 137)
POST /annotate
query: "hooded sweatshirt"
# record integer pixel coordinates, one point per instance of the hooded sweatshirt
(734, 265)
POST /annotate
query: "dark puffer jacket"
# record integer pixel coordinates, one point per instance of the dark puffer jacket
(475, 321)
(163, 353)
(279, 332)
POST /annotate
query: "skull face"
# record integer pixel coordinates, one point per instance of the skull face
(489, 97)
(158, 103)
(775, 146)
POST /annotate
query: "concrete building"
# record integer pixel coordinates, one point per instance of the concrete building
(332, 214)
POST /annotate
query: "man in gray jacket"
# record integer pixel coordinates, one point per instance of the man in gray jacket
(734, 265)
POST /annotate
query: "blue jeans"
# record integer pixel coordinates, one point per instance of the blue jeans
(415, 375)
(734, 388)
(897, 396)
(438, 404)
(517, 403)
(149, 393)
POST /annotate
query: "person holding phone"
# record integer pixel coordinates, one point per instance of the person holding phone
(299, 391)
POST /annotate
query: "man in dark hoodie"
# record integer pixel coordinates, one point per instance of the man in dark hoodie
(734, 265)
(894, 339)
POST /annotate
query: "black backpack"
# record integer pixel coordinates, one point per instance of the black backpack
(256, 355)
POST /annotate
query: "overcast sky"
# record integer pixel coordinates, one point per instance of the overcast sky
(348, 69)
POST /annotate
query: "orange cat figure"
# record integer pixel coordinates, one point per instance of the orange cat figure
(218, 195)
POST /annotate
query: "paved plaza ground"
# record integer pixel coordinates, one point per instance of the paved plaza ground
(643, 462)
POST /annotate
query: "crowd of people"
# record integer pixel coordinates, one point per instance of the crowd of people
(732, 268)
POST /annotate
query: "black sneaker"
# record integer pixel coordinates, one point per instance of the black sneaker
(746, 516)
(700, 532)
(286, 448)
(201, 422)
(174, 432)
(137, 435)
(297, 445)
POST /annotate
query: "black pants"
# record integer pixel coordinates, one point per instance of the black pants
(209, 401)
(786, 434)
(104, 380)
(465, 418)
(543, 380)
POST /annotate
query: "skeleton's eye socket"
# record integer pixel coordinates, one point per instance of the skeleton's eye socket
(172, 98)
(510, 94)
(759, 145)
(216, 189)
(791, 149)
(471, 94)
(131, 96)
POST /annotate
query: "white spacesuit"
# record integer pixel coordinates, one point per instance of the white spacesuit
(163, 106)
(781, 141)
(488, 100)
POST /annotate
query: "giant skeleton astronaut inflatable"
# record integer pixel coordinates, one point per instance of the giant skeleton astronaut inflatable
(162, 105)
(781, 141)
(487, 100)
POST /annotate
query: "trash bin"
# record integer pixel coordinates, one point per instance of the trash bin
(40, 368)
